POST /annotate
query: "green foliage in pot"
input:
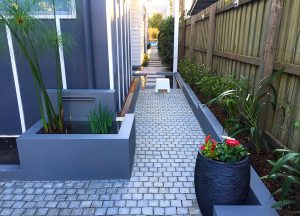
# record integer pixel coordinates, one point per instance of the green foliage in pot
(166, 41)
(100, 120)
(230, 151)
(287, 167)
(31, 35)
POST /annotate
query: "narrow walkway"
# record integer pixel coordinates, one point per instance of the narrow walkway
(154, 66)
(155, 61)
(168, 137)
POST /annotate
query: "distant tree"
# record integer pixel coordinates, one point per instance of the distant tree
(166, 41)
(153, 33)
(155, 20)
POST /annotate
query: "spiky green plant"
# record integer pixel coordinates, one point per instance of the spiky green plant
(250, 106)
(100, 120)
(30, 34)
(287, 168)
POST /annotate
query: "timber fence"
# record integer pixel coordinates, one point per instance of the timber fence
(252, 40)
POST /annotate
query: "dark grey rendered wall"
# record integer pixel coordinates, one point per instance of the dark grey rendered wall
(9, 114)
(86, 64)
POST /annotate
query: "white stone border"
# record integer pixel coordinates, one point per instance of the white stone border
(109, 44)
(16, 79)
(118, 53)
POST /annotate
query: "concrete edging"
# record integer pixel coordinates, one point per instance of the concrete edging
(202, 112)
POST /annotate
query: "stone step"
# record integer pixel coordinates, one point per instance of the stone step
(151, 80)
(155, 63)
(149, 87)
(158, 61)
(155, 76)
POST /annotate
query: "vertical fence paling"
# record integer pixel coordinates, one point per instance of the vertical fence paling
(251, 41)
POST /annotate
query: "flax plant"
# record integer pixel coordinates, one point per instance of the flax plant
(250, 107)
(100, 120)
(30, 35)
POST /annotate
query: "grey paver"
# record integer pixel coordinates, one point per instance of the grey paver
(100, 211)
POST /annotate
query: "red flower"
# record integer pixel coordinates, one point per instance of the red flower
(202, 147)
(214, 146)
(214, 142)
(207, 138)
(231, 142)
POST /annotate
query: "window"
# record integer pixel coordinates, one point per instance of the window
(43, 9)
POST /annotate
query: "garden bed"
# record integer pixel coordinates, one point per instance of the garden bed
(263, 168)
(8, 151)
(258, 162)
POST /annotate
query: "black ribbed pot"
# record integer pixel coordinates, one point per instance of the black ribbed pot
(218, 183)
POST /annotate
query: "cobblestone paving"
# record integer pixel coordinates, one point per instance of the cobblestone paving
(162, 181)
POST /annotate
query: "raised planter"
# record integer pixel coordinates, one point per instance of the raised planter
(221, 183)
(259, 198)
(76, 156)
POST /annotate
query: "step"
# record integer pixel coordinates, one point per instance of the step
(155, 76)
(155, 62)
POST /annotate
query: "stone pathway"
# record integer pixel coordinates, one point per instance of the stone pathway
(168, 136)
(154, 58)
(154, 66)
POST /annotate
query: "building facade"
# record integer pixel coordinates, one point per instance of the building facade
(99, 59)
(138, 34)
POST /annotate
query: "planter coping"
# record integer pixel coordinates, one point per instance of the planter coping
(124, 132)
(239, 210)
(80, 91)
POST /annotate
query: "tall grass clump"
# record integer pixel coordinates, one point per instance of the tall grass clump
(100, 120)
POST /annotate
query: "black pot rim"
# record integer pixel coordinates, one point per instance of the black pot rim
(223, 163)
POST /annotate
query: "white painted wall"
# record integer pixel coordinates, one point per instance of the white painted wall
(137, 34)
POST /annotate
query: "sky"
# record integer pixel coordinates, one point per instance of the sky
(162, 6)
(158, 6)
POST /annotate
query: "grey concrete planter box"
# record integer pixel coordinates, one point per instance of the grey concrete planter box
(78, 156)
(259, 200)
(75, 156)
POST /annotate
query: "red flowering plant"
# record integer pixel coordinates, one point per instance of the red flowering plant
(229, 151)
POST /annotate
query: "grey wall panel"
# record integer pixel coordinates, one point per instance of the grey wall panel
(99, 38)
(9, 113)
(121, 59)
(75, 60)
